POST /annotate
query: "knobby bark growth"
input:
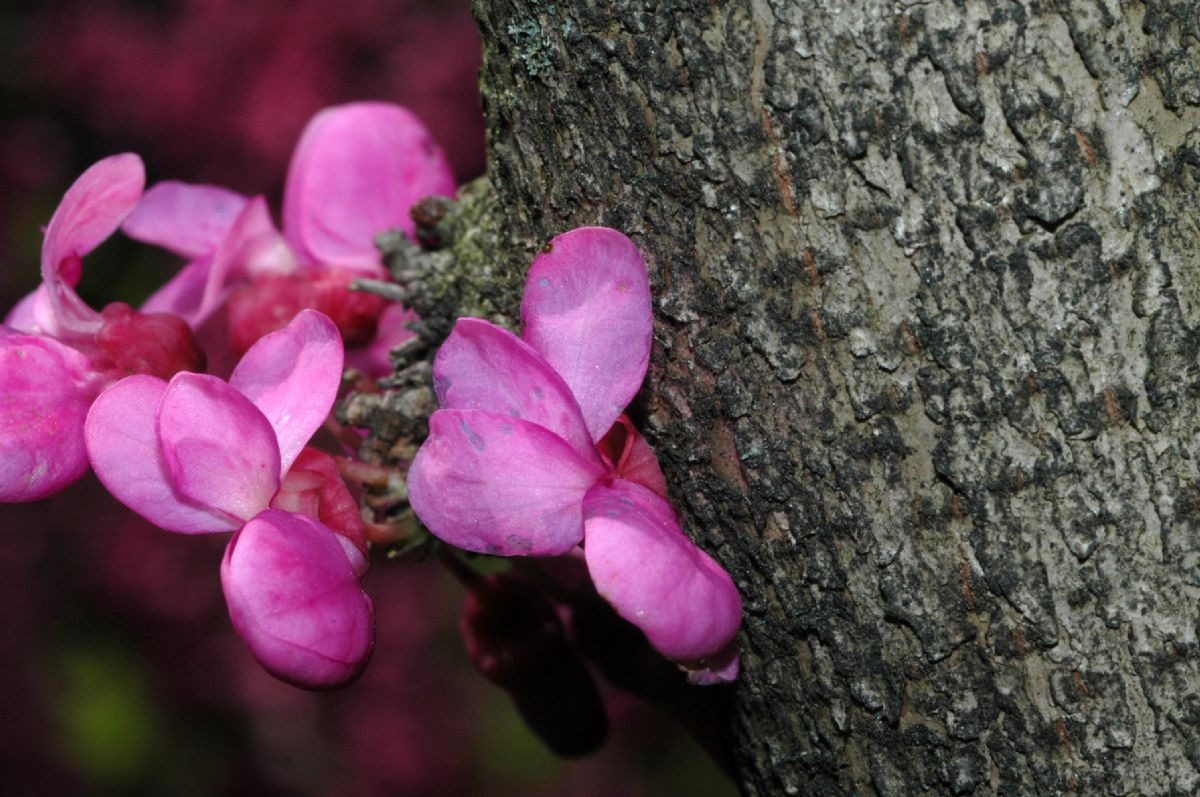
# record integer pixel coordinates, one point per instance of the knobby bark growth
(924, 376)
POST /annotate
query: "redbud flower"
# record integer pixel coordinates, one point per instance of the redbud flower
(356, 172)
(56, 353)
(529, 454)
(200, 455)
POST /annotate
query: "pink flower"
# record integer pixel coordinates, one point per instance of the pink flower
(521, 459)
(201, 455)
(56, 353)
(356, 172)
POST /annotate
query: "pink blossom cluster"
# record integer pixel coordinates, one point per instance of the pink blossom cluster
(192, 452)
(530, 454)
(196, 410)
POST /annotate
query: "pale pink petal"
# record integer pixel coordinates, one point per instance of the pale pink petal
(45, 391)
(123, 446)
(496, 484)
(587, 310)
(721, 667)
(28, 313)
(372, 359)
(190, 220)
(296, 601)
(655, 577)
(293, 376)
(218, 449)
(90, 212)
(254, 246)
(484, 367)
(356, 172)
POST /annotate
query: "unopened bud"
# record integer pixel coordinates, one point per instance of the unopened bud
(157, 344)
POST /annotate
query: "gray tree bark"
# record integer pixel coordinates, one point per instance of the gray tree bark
(924, 376)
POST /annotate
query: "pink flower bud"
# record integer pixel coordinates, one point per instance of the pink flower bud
(158, 344)
(270, 302)
(314, 488)
(515, 639)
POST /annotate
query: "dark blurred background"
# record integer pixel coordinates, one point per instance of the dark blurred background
(120, 673)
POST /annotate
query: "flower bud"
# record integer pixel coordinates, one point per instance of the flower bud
(157, 344)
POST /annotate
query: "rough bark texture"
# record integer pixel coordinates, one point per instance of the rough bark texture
(924, 377)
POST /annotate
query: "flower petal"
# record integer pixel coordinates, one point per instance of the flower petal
(654, 576)
(252, 247)
(587, 310)
(313, 487)
(631, 457)
(123, 446)
(90, 211)
(356, 171)
(293, 376)
(190, 220)
(296, 601)
(497, 484)
(481, 366)
(218, 449)
(47, 388)
(32, 312)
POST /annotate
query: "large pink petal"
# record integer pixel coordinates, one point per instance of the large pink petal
(481, 366)
(296, 601)
(123, 446)
(496, 484)
(190, 220)
(356, 172)
(90, 211)
(218, 449)
(45, 391)
(655, 577)
(293, 376)
(587, 311)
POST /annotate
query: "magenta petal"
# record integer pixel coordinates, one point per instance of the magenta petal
(90, 211)
(218, 449)
(496, 484)
(293, 376)
(190, 220)
(484, 367)
(655, 577)
(587, 310)
(29, 314)
(46, 389)
(123, 446)
(722, 667)
(356, 172)
(296, 601)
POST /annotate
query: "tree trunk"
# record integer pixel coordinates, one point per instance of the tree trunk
(924, 376)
